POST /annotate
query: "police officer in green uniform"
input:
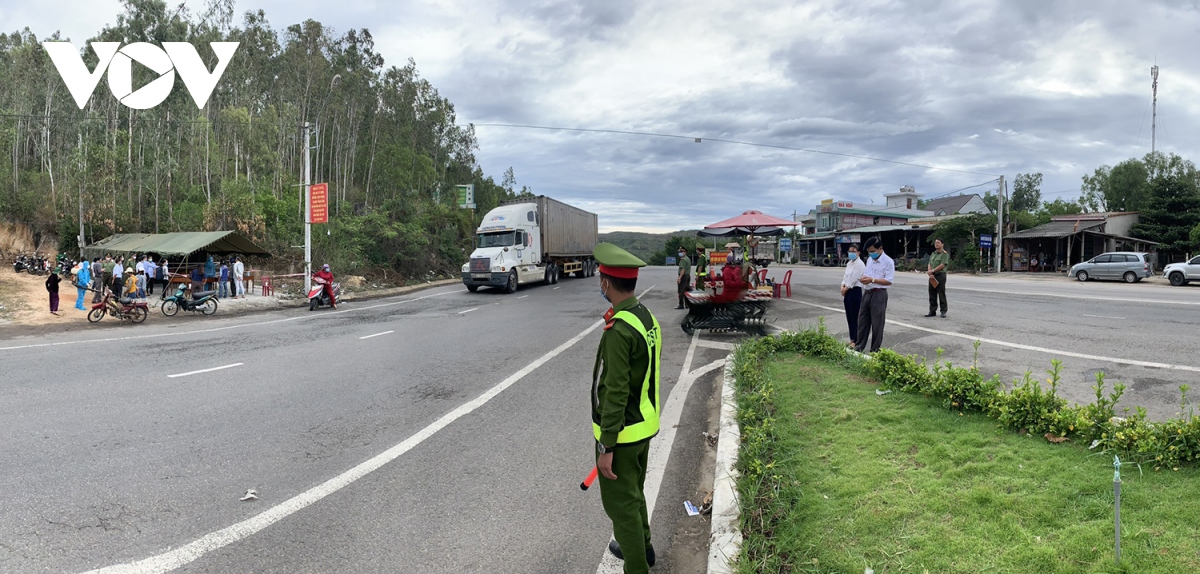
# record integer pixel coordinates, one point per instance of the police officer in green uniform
(625, 405)
(684, 280)
(938, 262)
(701, 267)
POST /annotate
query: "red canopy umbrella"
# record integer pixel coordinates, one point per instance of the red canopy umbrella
(752, 220)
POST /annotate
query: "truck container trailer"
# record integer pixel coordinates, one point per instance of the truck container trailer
(531, 240)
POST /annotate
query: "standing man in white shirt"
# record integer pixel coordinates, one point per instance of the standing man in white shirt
(239, 275)
(852, 291)
(118, 283)
(876, 279)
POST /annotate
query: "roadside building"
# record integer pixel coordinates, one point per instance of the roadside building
(957, 205)
(834, 225)
(1069, 239)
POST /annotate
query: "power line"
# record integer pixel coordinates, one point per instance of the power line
(756, 144)
(947, 194)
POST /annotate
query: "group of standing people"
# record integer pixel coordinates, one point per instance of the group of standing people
(865, 290)
(228, 279)
(736, 275)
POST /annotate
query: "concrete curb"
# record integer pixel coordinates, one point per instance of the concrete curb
(725, 543)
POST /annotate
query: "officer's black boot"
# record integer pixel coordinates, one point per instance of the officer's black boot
(616, 550)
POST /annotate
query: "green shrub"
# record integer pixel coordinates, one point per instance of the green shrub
(1030, 407)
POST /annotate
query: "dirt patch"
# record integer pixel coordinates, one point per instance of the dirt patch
(16, 238)
(27, 303)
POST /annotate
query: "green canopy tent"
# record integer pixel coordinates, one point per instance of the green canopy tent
(181, 245)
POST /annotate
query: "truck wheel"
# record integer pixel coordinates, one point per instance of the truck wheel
(549, 275)
(580, 274)
(1177, 279)
(472, 288)
(512, 282)
(555, 273)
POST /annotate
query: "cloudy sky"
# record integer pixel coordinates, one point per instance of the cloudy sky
(985, 86)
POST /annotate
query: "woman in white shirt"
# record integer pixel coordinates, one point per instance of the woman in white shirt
(852, 290)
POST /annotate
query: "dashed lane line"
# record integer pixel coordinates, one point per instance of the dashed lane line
(204, 371)
(188, 553)
(376, 335)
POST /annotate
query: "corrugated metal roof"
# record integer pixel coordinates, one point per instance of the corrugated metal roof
(1056, 229)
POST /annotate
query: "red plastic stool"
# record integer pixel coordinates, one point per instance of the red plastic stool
(267, 288)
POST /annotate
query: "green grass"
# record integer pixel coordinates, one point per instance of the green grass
(897, 483)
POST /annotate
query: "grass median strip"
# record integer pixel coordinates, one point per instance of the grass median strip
(851, 480)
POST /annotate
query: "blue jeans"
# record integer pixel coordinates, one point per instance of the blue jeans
(223, 291)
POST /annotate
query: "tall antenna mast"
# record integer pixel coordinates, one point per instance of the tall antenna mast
(1154, 114)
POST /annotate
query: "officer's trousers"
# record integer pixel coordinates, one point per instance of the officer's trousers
(625, 503)
(685, 283)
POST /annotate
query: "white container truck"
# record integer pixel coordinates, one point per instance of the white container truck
(531, 240)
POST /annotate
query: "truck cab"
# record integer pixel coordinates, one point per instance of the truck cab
(508, 250)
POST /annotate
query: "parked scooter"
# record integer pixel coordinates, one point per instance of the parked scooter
(317, 296)
(134, 310)
(202, 301)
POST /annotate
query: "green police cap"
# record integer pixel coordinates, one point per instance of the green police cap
(617, 262)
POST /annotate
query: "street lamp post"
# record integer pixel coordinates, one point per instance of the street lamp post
(308, 147)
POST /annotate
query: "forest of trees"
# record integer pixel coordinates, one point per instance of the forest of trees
(386, 142)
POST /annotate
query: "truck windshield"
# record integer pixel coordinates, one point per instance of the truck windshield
(501, 239)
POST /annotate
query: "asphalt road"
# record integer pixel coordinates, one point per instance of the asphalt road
(1142, 335)
(453, 440)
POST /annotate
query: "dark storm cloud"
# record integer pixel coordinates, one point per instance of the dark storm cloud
(990, 86)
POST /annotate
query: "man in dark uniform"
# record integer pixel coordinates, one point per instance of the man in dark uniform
(701, 267)
(684, 280)
(625, 406)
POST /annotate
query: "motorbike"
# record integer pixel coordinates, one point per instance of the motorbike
(203, 301)
(317, 296)
(746, 314)
(21, 263)
(134, 310)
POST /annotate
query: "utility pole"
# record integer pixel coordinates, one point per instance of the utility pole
(81, 180)
(1000, 224)
(1154, 113)
(307, 210)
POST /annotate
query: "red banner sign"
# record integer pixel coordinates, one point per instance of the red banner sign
(319, 193)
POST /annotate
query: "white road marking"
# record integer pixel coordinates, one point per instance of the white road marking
(660, 446)
(716, 345)
(557, 288)
(522, 296)
(966, 303)
(1117, 360)
(376, 335)
(227, 327)
(1075, 296)
(1102, 316)
(468, 310)
(204, 371)
(188, 553)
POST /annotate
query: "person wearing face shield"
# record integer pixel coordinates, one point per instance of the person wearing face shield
(625, 406)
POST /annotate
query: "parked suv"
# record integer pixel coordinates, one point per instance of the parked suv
(1126, 265)
(1182, 273)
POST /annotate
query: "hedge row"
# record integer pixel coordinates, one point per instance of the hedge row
(1029, 406)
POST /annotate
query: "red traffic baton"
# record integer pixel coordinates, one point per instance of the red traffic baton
(591, 477)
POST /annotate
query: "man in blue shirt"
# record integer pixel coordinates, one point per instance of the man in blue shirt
(872, 312)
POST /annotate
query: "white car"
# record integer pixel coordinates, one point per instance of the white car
(1181, 273)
